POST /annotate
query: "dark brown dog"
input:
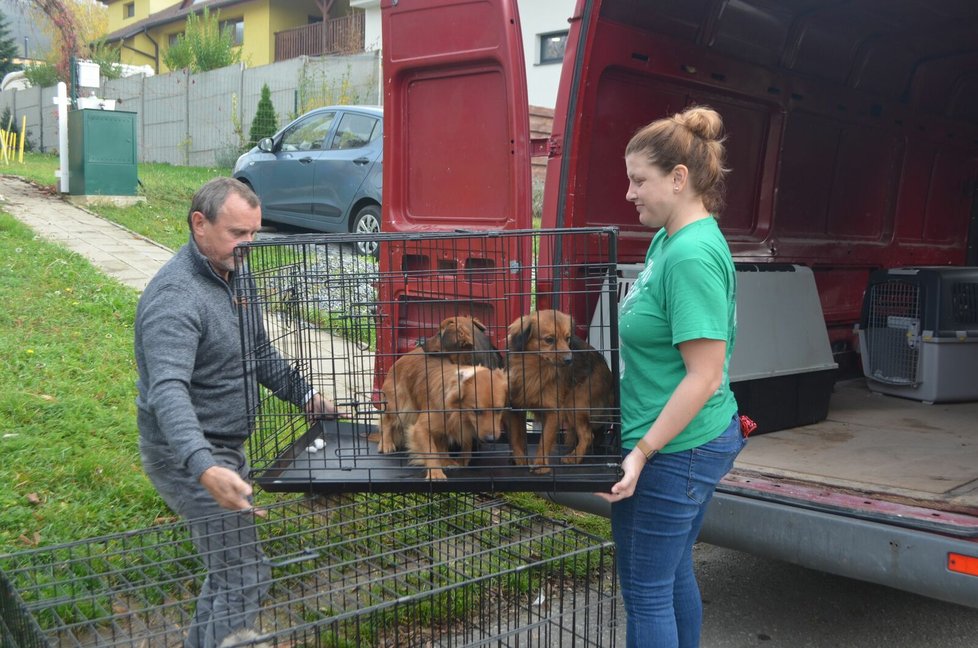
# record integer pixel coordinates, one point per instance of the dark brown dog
(465, 405)
(463, 340)
(562, 379)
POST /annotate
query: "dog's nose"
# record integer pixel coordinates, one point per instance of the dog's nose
(568, 359)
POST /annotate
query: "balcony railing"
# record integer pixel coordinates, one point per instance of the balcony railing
(335, 36)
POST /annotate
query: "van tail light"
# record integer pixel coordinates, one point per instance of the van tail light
(962, 564)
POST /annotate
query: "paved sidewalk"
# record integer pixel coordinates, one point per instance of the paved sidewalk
(117, 251)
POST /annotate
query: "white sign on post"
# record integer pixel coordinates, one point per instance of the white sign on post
(88, 74)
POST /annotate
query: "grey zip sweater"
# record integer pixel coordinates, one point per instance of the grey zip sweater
(189, 354)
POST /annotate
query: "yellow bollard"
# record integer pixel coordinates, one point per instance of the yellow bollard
(5, 137)
(23, 136)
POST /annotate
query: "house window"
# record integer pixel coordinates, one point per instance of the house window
(552, 47)
(236, 27)
(129, 10)
(171, 39)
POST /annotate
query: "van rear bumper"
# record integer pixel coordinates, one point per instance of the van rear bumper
(904, 558)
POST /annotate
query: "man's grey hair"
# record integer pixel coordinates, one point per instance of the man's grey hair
(211, 197)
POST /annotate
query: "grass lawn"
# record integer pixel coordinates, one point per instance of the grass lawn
(167, 188)
(69, 464)
(68, 459)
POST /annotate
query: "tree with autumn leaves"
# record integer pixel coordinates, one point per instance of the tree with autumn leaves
(76, 28)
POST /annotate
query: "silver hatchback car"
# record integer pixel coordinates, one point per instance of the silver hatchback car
(322, 172)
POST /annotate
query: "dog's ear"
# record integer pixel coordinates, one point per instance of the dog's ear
(455, 396)
(520, 332)
(448, 336)
(432, 343)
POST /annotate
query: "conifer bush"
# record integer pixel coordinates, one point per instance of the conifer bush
(265, 122)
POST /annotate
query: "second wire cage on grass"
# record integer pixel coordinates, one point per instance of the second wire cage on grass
(393, 570)
(458, 361)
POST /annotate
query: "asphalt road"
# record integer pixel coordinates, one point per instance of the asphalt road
(750, 601)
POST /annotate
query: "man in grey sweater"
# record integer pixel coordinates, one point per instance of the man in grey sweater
(191, 403)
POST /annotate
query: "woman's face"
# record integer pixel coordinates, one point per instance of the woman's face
(652, 190)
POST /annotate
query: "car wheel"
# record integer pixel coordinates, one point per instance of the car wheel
(367, 222)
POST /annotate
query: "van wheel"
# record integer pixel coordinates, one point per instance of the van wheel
(367, 222)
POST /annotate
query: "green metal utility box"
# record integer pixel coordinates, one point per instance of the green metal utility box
(102, 152)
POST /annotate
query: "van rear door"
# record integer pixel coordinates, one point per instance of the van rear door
(456, 131)
(456, 152)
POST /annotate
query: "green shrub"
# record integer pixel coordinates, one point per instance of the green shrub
(203, 46)
(178, 55)
(265, 122)
(41, 75)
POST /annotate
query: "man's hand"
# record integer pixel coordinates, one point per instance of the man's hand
(319, 408)
(227, 488)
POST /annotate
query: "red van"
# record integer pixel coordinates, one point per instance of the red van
(853, 139)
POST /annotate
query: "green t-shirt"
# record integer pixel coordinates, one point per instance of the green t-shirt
(687, 291)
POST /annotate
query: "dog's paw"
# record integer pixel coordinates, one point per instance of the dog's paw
(570, 459)
(436, 473)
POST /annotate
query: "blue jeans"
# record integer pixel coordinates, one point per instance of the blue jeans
(238, 575)
(654, 532)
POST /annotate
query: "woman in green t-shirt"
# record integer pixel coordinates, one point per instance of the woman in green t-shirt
(680, 427)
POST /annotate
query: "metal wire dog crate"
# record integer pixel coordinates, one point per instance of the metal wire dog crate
(357, 570)
(431, 353)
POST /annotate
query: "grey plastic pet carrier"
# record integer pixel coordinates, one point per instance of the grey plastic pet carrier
(918, 333)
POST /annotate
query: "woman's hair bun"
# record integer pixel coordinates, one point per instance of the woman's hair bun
(702, 122)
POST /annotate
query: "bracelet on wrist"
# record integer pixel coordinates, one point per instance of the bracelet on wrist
(646, 449)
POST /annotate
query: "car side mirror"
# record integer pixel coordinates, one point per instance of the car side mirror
(266, 144)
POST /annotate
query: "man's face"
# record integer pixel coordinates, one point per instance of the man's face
(236, 222)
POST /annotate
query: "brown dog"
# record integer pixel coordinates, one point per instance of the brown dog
(405, 393)
(465, 405)
(562, 379)
(463, 340)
